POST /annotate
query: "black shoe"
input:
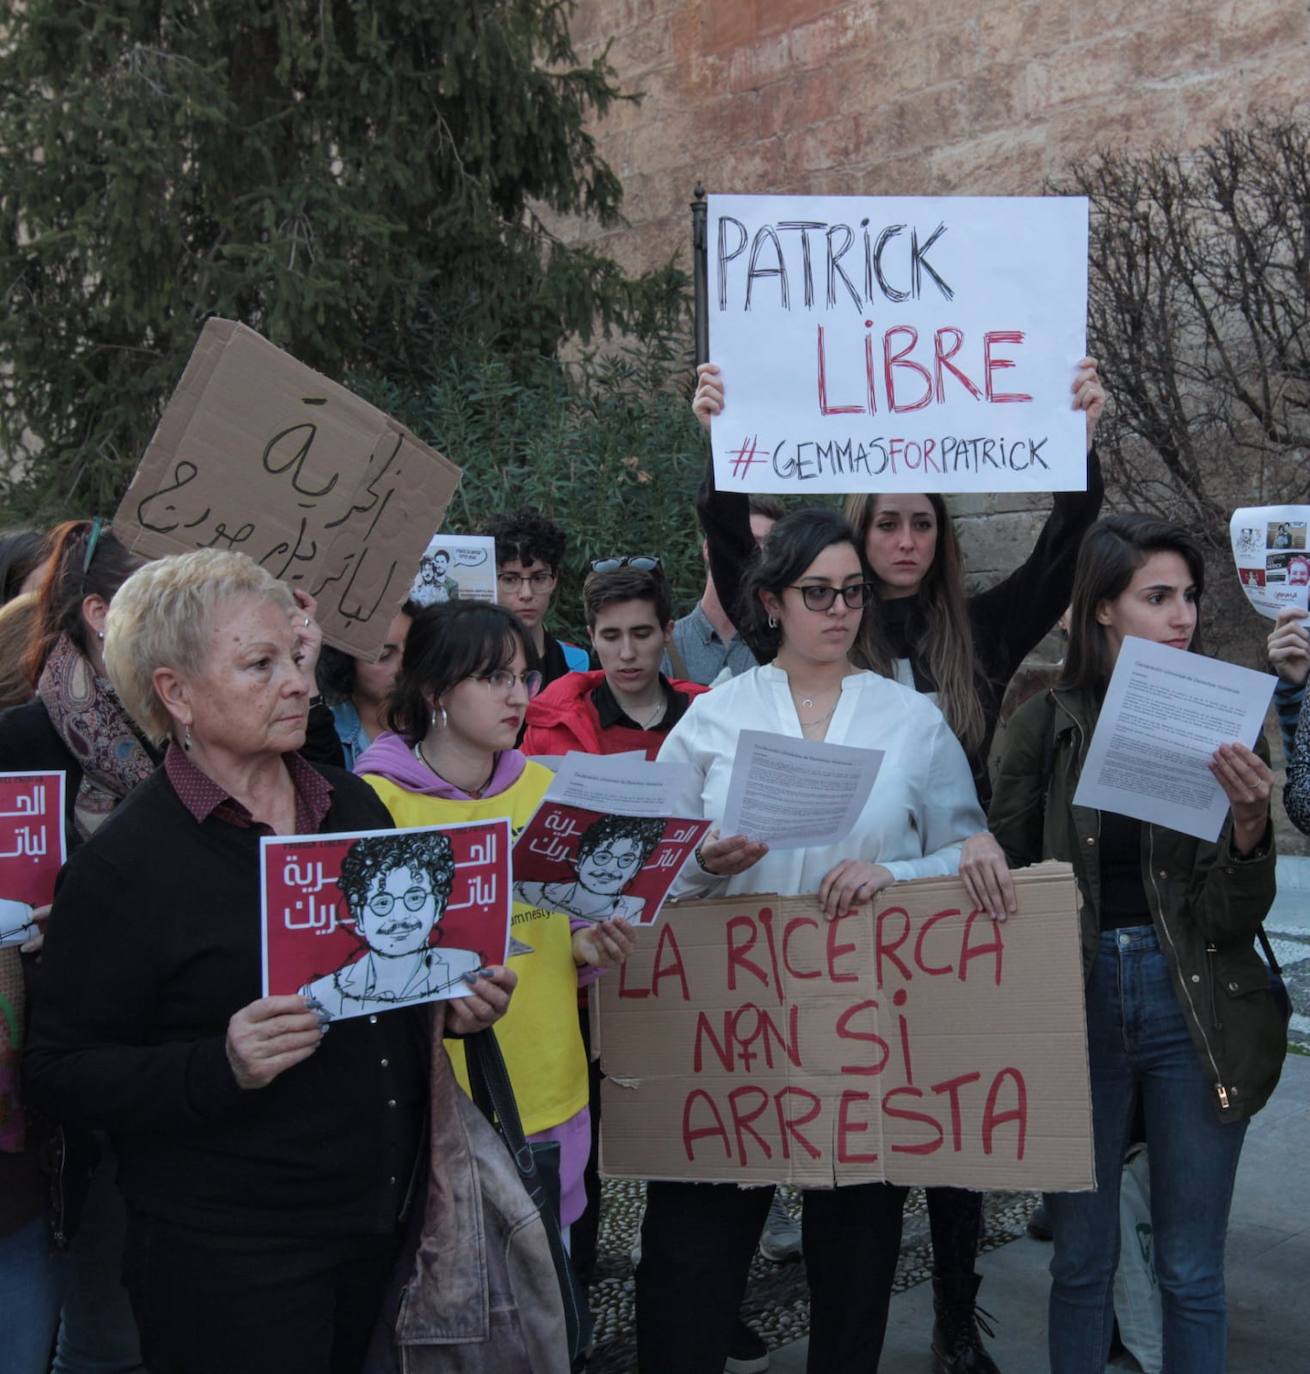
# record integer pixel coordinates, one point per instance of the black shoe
(1039, 1224)
(747, 1353)
(956, 1342)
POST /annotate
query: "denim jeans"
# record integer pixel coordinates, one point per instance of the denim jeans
(31, 1285)
(1138, 1045)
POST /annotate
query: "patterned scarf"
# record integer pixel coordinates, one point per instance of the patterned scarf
(99, 733)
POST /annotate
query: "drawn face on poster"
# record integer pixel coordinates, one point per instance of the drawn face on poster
(455, 567)
(598, 867)
(408, 914)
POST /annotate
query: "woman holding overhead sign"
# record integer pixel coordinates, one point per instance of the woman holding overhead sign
(1179, 1010)
(806, 597)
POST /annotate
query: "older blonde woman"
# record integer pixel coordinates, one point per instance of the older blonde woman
(265, 1167)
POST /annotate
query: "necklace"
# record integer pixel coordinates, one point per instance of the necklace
(654, 718)
(475, 792)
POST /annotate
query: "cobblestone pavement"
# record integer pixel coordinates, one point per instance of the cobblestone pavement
(777, 1299)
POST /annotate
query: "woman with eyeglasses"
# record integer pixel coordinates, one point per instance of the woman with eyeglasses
(529, 556)
(456, 711)
(961, 650)
(806, 596)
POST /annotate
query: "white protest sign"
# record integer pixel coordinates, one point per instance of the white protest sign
(898, 343)
(455, 567)
(1165, 713)
(1273, 562)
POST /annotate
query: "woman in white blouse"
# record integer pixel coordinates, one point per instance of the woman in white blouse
(809, 590)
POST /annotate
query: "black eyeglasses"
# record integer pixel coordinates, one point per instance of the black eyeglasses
(415, 900)
(820, 597)
(642, 562)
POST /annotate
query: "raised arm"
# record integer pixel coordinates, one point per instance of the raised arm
(1011, 618)
(724, 515)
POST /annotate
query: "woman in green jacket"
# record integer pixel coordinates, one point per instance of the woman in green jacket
(1179, 1010)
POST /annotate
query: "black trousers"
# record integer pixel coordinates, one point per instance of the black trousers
(955, 1222)
(696, 1247)
(219, 1304)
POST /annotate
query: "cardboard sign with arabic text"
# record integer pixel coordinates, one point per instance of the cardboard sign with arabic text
(751, 1040)
(259, 453)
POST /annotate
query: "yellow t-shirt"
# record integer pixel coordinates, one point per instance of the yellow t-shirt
(539, 1035)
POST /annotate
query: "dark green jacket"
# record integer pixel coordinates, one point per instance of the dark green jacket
(1206, 903)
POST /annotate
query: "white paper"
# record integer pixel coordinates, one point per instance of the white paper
(1272, 558)
(619, 784)
(16, 924)
(899, 343)
(456, 567)
(791, 793)
(1165, 713)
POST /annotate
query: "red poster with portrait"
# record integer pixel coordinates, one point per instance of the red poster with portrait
(31, 848)
(377, 919)
(593, 866)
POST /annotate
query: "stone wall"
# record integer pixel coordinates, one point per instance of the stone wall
(861, 96)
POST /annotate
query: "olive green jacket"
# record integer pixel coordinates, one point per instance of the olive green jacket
(1206, 902)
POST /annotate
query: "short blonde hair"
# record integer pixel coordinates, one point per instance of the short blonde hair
(160, 616)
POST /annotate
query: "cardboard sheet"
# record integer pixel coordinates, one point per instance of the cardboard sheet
(753, 1041)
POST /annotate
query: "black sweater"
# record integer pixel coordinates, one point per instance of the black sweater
(153, 944)
(1008, 620)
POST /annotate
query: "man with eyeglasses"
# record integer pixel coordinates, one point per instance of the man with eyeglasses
(529, 555)
(397, 887)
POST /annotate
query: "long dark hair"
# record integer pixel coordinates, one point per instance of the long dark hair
(446, 644)
(792, 545)
(85, 560)
(947, 641)
(1112, 551)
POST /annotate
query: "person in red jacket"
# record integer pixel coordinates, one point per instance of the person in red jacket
(628, 704)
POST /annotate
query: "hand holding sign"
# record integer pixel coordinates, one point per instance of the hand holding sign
(1289, 647)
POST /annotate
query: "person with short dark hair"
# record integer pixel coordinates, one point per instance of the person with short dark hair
(627, 703)
(705, 645)
(529, 558)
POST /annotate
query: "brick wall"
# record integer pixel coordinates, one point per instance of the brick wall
(994, 96)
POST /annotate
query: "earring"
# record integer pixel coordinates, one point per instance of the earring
(438, 717)
(100, 635)
(773, 622)
(186, 737)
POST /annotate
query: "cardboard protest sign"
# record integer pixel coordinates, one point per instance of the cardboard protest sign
(595, 866)
(899, 343)
(754, 1041)
(455, 567)
(378, 919)
(1273, 561)
(31, 849)
(259, 453)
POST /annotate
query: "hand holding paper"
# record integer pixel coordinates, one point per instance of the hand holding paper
(1166, 715)
(1289, 647)
(1248, 784)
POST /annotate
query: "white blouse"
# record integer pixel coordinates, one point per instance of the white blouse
(922, 808)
